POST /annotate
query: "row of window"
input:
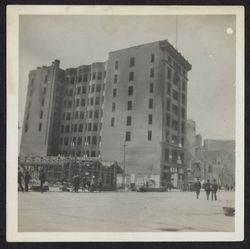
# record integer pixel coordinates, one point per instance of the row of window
(132, 61)
(80, 141)
(86, 77)
(175, 109)
(176, 79)
(83, 89)
(82, 102)
(175, 124)
(80, 127)
(78, 153)
(82, 114)
(173, 156)
(129, 120)
(129, 138)
(174, 139)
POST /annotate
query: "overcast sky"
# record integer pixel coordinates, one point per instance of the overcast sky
(207, 42)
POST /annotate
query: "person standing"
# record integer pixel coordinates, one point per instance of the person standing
(207, 187)
(42, 179)
(99, 184)
(26, 180)
(197, 187)
(214, 190)
(20, 179)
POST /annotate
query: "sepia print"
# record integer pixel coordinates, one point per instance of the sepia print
(127, 122)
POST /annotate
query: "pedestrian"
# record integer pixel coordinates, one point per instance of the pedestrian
(92, 184)
(99, 184)
(20, 179)
(42, 178)
(207, 187)
(26, 180)
(84, 182)
(197, 187)
(214, 190)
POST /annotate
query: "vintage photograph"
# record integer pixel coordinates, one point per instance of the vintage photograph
(127, 121)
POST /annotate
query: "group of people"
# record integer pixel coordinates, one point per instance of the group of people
(208, 187)
(25, 177)
(89, 184)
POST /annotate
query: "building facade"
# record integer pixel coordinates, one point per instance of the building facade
(130, 109)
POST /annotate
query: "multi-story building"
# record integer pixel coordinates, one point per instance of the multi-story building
(131, 107)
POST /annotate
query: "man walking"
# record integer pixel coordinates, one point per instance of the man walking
(20, 178)
(197, 187)
(42, 178)
(214, 190)
(26, 180)
(207, 187)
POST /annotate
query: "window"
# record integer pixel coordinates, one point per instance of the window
(169, 73)
(89, 126)
(176, 79)
(93, 88)
(80, 78)
(97, 101)
(82, 115)
(175, 95)
(174, 156)
(132, 62)
(69, 104)
(168, 120)
(40, 127)
(174, 124)
(169, 89)
(84, 90)
(91, 101)
(152, 58)
(150, 119)
(76, 115)
(75, 128)
(130, 90)
(77, 102)
(114, 92)
(183, 127)
(168, 104)
(150, 104)
(129, 120)
(166, 155)
(82, 102)
(67, 129)
(128, 136)
(112, 122)
(115, 78)
(183, 99)
(41, 114)
(183, 113)
(90, 113)
(26, 127)
(151, 87)
(95, 127)
(79, 141)
(42, 102)
(175, 110)
(66, 141)
(94, 76)
(94, 140)
(98, 88)
(80, 128)
(78, 90)
(68, 116)
(72, 80)
(129, 105)
(116, 64)
(46, 79)
(152, 72)
(149, 135)
(93, 153)
(131, 76)
(85, 78)
(113, 107)
(167, 136)
(99, 76)
(96, 114)
(88, 139)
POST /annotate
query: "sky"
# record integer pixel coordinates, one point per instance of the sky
(207, 42)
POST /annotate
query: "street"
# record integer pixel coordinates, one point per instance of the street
(123, 212)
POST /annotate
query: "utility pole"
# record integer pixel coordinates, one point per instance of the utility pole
(124, 164)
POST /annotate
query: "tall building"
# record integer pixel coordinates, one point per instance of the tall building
(131, 107)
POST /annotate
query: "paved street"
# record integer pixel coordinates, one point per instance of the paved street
(122, 212)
